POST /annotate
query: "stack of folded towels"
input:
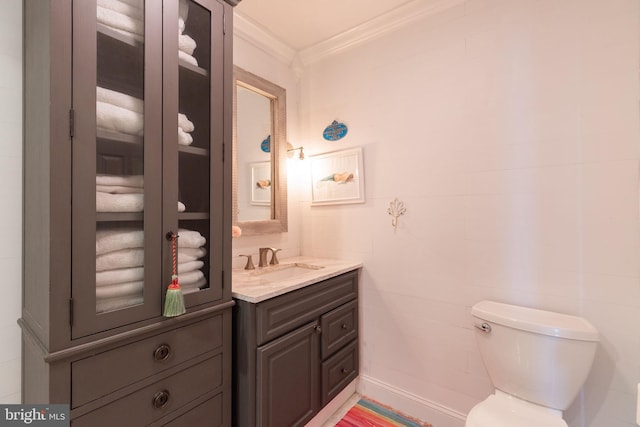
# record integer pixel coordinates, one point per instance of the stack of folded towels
(123, 16)
(119, 112)
(119, 268)
(122, 193)
(191, 248)
(185, 127)
(186, 45)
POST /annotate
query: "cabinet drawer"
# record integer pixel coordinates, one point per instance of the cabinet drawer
(277, 316)
(111, 370)
(339, 327)
(158, 399)
(338, 371)
(208, 413)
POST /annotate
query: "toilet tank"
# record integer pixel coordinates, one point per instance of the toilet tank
(539, 356)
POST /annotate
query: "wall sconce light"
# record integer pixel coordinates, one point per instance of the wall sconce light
(291, 150)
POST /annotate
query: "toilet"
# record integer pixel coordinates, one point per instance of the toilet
(537, 361)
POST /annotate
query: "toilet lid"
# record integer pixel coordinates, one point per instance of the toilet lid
(507, 411)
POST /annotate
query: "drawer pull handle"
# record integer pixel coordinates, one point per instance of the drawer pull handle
(344, 370)
(318, 329)
(344, 326)
(161, 399)
(162, 352)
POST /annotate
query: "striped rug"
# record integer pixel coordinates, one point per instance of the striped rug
(367, 413)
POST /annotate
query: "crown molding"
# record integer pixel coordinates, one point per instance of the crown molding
(257, 35)
(252, 32)
(375, 28)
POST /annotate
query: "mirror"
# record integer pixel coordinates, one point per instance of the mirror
(259, 155)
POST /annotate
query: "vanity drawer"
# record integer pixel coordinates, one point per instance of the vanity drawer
(106, 372)
(160, 398)
(338, 371)
(279, 315)
(339, 327)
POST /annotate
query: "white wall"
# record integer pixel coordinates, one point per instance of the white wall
(11, 197)
(510, 130)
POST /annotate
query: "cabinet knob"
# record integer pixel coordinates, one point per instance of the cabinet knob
(161, 399)
(162, 352)
(344, 326)
(318, 329)
(344, 370)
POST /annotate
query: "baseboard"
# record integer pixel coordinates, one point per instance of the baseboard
(410, 404)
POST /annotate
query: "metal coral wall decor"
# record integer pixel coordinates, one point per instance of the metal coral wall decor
(396, 209)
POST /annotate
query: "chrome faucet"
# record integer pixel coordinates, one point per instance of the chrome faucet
(263, 257)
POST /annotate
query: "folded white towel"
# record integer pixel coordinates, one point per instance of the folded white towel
(184, 138)
(117, 239)
(126, 180)
(185, 123)
(119, 21)
(183, 10)
(181, 25)
(120, 275)
(190, 254)
(119, 290)
(187, 58)
(112, 117)
(122, 7)
(190, 239)
(194, 287)
(186, 267)
(190, 278)
(106, 202)
(127, 34)
(124, 258)
(186, 44)
(119, 189)
(181, 207)
(111, 304)
(119, 99)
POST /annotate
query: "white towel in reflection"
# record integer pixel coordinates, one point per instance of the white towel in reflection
(119, 21)
(186, 44)
(126, 180)
(119, 189)
(190, 278)
(186, 267)
(111, 304)
(119, 290)
(184, 138)
(190, 254)
(190, 239)
(187, 58)
(122, 7)
(106, 202)
(123, 258)
(119, 275)
(119, 99)
(118, 239)
(112, 117)
(185, 123)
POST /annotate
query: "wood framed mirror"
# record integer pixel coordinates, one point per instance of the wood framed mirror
(259, 155)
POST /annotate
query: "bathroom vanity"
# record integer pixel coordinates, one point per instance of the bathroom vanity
(295, 339)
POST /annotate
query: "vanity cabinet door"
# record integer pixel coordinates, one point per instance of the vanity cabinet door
(116, 166)
(288, 378)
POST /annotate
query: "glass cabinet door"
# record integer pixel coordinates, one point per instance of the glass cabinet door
(193, 145)
(117, 164)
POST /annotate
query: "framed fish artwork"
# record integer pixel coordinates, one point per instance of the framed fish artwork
(261, 183)
(337, 177)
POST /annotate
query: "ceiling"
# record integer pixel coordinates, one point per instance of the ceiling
(301, 24)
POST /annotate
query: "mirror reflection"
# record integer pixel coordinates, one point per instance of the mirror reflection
(259, 155)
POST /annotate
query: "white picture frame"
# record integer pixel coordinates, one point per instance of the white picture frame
(260, 183)
(337, 177)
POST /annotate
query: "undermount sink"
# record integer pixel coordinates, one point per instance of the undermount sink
(285, 271)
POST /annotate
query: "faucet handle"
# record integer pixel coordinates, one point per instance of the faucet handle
(249, 265)
(274, 258)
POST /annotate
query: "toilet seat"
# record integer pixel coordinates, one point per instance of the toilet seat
(503, 410)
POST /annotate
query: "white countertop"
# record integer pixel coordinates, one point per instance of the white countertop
(255, 285)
